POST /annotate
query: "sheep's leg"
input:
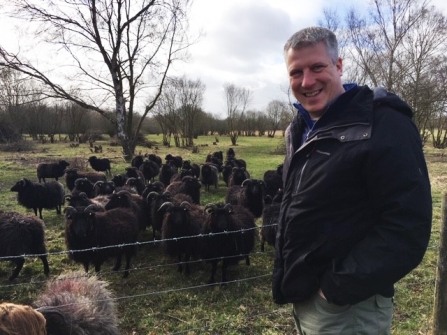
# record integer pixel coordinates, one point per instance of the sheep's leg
(262, 245)
(40, 213)
(19, 265)
(187, 258)
(247, 260)
(118, 261)
(213, 272)
(128, 258)
(46, 268)
(86, 264)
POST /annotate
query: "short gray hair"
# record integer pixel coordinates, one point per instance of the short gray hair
(312, 36)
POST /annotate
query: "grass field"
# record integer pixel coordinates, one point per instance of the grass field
(156, 299)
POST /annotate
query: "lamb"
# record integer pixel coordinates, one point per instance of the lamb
(72, 174)
(273, 180)
(51, 170)
(249, 194)
(270, 219)
(87, 229)
(188, 185)
(229, 234)
(209, 175)
(181, 227)
(38, 196)
(78, 305)
(125, 199)
(21, 235)
(100, 164)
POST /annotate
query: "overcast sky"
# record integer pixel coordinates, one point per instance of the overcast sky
(244, 41)
(243, 44)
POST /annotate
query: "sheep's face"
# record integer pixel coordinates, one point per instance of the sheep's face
(218, 219)
(20, 185)
(118, 200)
(82, 224)
(78, 200)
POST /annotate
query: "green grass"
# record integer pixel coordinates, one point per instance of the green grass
(156, 299)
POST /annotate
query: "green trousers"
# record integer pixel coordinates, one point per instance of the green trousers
(316, 316)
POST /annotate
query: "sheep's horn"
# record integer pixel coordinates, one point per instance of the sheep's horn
(69, 210)
(165, 205)
(186, 204)
(229, 208)
(209, 208)
(246, 181)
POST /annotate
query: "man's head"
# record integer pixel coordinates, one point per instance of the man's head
(20, 319)
(314, 68)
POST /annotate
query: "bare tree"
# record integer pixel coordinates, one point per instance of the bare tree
(118, 48)
(237, 100)
(276, 112)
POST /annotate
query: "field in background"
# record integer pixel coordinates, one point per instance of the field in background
(156, 299)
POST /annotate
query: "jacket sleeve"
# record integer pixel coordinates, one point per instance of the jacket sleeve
(399, 188)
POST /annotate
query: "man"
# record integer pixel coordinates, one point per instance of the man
(356, 210)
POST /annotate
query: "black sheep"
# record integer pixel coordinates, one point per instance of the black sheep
(103, 188)
(38, 196)
(273, 180)
(22, 235)
(81, 200)
(134, 185)
(87, 229)
(125, 199)
(177, 160)
(76, 304)
(155, 158)
(51, 170)
(119, 180)
(209, 175)
(238, 175)
(72, 174)
(137, 161)
(249, 194)
(270, 219)
(181, 227)
(84, 185)
(166, 172)
(229, 234)
(100, 164)
(133, 172)
(150, 170)
(195, 168)
(188, 185)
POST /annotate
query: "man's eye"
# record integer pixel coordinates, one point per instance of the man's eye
(318, 68)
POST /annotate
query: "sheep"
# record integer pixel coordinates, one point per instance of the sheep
(137, 161)
(150, 170)
(72, 174)
(249, 194)
(270, 218)
(51, 170)
(133, 172)
(230, 154)
(119, 180)
(38, 196)
(135, 202)
(103, 188)
(181, 227)
(155, 158)
(209, 175)
(217, 162)
(134, 185)
(188, 185)
(78, 305)
(183, 173)
(273, 180)
(156, 186)
(229, 235)
(155, 200)
(86, 229)
(195, 168)
(166, 172)
(82, 200)
(21, 235)
(84, 185)
(238, 175)
(177, 160)
(100, 164)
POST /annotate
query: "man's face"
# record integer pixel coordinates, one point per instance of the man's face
(314, 79)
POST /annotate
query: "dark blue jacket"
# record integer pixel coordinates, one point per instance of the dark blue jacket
(357, 209)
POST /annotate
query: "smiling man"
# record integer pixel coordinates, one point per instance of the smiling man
(356, 211)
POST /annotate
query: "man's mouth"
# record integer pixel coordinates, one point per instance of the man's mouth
(311, 94)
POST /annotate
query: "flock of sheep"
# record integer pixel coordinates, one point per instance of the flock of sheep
(105, 215)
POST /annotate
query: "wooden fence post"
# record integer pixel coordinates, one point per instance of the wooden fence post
(440, 304)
